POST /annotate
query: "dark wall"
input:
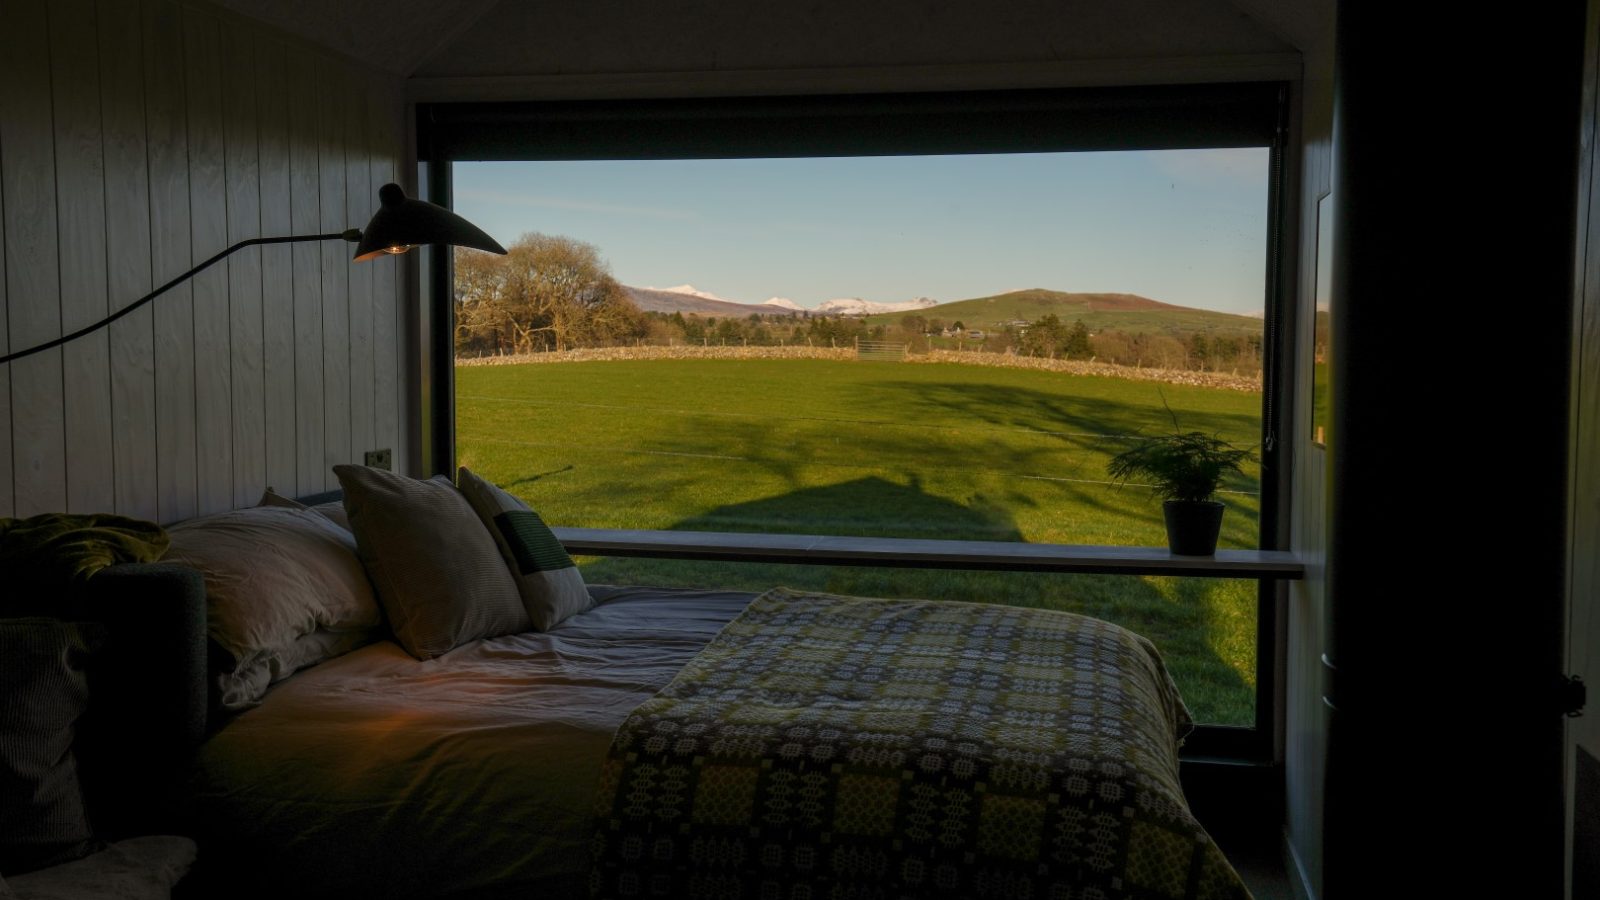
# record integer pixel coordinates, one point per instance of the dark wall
(1455, 165)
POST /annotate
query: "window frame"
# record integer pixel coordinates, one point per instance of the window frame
(1028, 120)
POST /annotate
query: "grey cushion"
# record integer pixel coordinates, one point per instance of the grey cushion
(43, 692)
(439, 575)
(548, 580)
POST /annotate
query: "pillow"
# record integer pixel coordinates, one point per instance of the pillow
(334, 510)
(43, 691)
(247, 682)
(274, 574)
(548, 580)
(438, 573)
(270, 497)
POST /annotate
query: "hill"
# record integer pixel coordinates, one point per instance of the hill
(1124, 312)
(652, 300)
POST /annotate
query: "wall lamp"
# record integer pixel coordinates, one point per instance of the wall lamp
(399, 224)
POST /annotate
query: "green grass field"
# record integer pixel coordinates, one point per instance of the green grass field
(850, 448)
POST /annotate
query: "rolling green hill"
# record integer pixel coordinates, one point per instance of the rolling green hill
(1123, 312)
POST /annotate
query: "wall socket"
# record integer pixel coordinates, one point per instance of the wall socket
(379, 459)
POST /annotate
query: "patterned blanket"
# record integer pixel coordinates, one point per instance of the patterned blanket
(840, 747)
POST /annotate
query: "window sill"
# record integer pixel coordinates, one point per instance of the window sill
(822, 550)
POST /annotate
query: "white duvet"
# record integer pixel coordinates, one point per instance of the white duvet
(377, 775)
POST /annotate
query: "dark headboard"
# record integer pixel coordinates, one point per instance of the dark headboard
(148, 696)
(324, 497)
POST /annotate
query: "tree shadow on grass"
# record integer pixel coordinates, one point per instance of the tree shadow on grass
(530, 478)
(1030, 408)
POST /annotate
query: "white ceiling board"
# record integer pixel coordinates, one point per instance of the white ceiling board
(561, 37)
(1306, 24)
(393, 35)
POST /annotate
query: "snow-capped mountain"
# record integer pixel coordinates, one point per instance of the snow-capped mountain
(855, 306)
(687, 298)
(692, 291)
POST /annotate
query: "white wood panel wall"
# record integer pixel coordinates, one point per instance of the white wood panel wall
(1305, 717)
(138, 137)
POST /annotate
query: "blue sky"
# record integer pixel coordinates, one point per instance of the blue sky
(1181, 226)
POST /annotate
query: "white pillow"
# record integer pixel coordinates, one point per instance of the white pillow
(273, 575)
(551, 586)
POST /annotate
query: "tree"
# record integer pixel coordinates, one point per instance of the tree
(483, 322)
(1075, 344)
(1199, 350)
(547, 291)
(1045, 337)
(727, 331)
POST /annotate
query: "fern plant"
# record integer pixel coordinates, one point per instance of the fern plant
(1185, 466)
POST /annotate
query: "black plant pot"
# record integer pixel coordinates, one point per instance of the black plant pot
(1192, 526)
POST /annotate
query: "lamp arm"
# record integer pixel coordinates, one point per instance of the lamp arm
(353, 234)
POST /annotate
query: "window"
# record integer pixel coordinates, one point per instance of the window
(695, 416)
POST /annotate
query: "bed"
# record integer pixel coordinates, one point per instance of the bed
(647, 742)
(498, 769)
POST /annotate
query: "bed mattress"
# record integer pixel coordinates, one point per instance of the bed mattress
(473, 774)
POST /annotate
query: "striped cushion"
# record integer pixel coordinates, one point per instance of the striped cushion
(439, 573)
(43, 691)
(534, 547)
(548, 579)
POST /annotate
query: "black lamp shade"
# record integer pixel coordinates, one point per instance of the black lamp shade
(402, 223)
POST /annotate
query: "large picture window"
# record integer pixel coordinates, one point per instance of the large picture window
(936, 320)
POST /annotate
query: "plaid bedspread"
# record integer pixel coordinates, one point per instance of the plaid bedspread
(839, 747)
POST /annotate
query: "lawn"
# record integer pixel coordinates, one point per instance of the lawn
(851, 448)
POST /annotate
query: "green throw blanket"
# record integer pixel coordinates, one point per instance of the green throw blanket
(46, 557)
(838, 747)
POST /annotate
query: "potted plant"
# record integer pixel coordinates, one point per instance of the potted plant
(1185, 469)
